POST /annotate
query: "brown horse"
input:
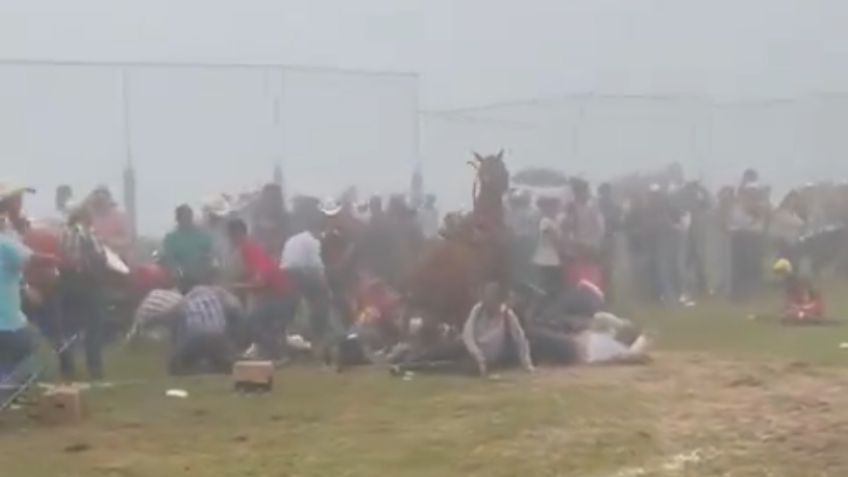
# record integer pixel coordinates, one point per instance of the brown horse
(443, 287)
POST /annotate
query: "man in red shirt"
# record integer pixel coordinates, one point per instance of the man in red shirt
(270, 292)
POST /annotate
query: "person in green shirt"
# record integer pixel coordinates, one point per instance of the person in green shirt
(187, 251)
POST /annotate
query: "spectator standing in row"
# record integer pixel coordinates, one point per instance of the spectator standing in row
(378, 249)
(546, 258)
(747, 229)
(187, 251)
(428, 218)
(523, 226)
(302, 261)
(110, 223)
(612, 216)
(584, 232)
(83, 275)
(696, 205)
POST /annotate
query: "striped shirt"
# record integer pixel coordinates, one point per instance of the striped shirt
(81, 250)
(156, 305)
(205, 310)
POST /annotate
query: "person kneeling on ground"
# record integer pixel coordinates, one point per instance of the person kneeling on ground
(803, 302)
(492, 337)
(204, 323)
(204, 326)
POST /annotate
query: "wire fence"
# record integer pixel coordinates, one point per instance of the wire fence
(789, 141)
(194, 130)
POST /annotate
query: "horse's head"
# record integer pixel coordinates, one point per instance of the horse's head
(492, 174)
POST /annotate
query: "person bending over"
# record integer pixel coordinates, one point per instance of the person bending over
(202, 331)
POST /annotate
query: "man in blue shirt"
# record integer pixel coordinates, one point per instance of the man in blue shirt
(15, 342)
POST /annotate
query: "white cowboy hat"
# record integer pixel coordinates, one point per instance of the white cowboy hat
(330, 207)
(9, 189)
(216, 206)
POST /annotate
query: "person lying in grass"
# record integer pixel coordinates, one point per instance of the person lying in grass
(491, 338)
(605, 339)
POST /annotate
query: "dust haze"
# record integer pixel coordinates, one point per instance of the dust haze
(592, 87)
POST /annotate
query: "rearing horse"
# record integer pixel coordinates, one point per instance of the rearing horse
(471, 252)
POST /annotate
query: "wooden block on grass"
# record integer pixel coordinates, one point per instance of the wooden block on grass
(253, 375)
(61, 405)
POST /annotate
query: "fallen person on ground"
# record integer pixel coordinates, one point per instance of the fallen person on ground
(572, 309)
(376, 329)
(607, 339)
(491, 338)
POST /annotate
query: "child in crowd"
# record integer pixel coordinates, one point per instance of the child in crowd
(803, 301)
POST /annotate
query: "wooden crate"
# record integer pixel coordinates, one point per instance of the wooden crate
(253, 375)
(61, 405)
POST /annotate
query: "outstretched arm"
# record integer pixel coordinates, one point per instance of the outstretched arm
(470, 341)
(520, 340)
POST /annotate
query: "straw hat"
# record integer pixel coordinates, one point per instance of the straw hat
(330, 207)
(10, 189)
(782, 267)
(217, 206)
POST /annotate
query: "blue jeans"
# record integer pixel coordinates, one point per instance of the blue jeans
(268, 322)
(83, 314)
(15, 347)
(313, 289)
(664, 263)
(747, 255)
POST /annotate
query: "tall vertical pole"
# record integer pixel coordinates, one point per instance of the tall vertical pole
(417, 182)
(129, 170)
(277, 129)
(575, 131)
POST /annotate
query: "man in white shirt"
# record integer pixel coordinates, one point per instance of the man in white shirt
(301, 258)
(546, 258)
(428, 218)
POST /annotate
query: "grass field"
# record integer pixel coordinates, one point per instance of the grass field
(726, 396)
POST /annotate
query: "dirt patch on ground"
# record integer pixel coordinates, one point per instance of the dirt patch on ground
(743, 417)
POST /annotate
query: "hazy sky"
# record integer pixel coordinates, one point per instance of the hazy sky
(469, 51)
